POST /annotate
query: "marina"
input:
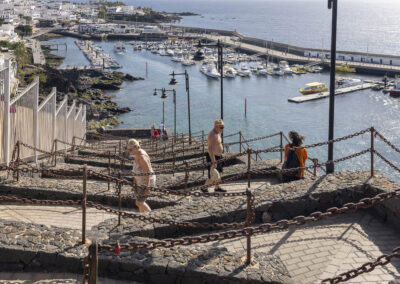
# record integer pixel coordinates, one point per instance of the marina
(96, 55)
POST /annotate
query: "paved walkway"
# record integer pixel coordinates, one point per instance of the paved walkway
(328, 248)
(59, 216)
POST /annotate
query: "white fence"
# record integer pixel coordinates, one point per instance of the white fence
(23, 119)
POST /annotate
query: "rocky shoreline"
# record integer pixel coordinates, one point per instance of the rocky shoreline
(85, 86)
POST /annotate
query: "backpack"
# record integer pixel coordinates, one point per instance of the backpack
(291, 162)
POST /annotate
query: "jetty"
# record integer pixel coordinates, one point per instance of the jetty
(37, 52)
(339, 91)
(96, 55)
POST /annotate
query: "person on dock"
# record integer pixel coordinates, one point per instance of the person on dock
(215, 149)
(141, 165)
(295, 157)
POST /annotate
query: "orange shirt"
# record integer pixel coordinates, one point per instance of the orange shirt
(302, 155)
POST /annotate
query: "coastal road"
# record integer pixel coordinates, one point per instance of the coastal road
(289, 56)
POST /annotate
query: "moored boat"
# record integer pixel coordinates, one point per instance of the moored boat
(313, 88)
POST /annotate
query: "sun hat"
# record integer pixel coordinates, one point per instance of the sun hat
(219, 122)
(133, 143)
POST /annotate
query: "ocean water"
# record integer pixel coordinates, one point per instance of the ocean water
(268, 110)
(363, 25)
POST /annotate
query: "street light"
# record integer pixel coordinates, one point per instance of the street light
(164, 97)
(173, 83)
(221, 72)
(330, 168)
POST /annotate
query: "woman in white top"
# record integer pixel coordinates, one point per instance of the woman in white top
(141, 165)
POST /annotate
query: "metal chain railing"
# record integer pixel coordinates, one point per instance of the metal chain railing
(365, 268)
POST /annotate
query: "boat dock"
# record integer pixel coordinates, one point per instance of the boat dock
(339, 91)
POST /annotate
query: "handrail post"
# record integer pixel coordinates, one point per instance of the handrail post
(73, 144)
(281, 145)
(18, 157)
(55, 152)
(173, 164)
(248, 166)
(119, 197)
(186, 175)
(93, 259)
(248, 223)
(315, 161)
(109, 169)
(204, 152)
(240, 141)
(84, 204)
(120, 147)
(372, 150)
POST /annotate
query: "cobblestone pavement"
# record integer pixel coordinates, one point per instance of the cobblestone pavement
(59, 216)
(328, 248)
(50, 278)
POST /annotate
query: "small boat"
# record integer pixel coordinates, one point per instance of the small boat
(170, 52)
(298, 70)
(188, 62)
(212, 72)
(345, 69)
(199, 55)
(395, 91)
(177, 58)
(313, 88)
(244, 71)
(229, 72)
(277, 71)
(284, 65)
(119, 47)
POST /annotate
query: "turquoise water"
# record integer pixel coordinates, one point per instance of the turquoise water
(268, 110)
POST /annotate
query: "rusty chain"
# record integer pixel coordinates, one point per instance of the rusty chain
(387, 161)
(365, 268)
(252, 139)
(317, 144)
(15, 199)
(263, 228)
(383, 138)
(163, 221)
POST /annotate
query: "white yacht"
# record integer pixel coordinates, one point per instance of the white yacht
(284, 65)
(244, 71)
(211, 71)
(229, 72)
(119, 47)
(177, 58)
(170, 52)
(187, 62)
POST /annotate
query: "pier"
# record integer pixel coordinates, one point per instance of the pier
(37, 53)
(268, 52)
(340, 91)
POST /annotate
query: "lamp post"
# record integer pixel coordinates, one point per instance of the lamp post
(332, 4)
(173, 83)
(164, 97)
(221, 72)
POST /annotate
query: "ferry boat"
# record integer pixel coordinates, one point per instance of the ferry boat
(345, 69)
(313, 88)
(119, 47)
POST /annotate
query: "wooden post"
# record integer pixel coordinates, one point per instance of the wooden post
(84, 204)
(119, 197)
(372, 150)
(315, 162)
(73, 144)
(183, 147)
(94, 267)
(115, 157)
(281, 146)
(120, 147)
